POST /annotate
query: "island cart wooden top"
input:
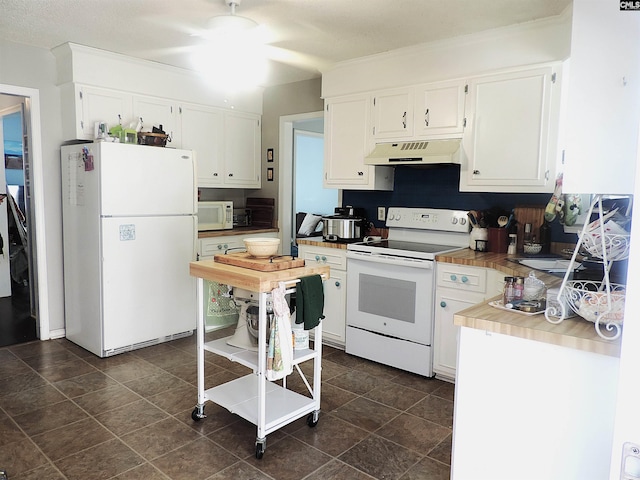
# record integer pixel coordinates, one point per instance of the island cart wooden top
(252, 280)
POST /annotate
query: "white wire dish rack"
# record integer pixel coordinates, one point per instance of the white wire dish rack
(600, 302)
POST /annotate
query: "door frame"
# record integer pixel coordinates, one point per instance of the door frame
(34, 138)
(285, 178)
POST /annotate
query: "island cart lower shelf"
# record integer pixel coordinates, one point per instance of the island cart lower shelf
(266, 404)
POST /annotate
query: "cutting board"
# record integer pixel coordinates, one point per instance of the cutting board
(528, 214)
(244, 260)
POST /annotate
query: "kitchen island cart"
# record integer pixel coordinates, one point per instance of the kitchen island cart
(266, 404)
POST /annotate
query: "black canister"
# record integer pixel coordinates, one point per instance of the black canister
(545, 237)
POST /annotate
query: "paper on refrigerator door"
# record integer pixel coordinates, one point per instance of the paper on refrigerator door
(76, 184)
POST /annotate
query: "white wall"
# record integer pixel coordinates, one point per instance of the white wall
(30, 67)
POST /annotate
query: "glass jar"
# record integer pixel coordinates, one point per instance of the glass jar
(507, 293)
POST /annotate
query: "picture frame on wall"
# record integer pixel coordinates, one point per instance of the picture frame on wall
(269, 154)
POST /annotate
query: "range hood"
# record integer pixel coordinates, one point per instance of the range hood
(415, 153)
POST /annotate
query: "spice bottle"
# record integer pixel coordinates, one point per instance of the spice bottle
(518, 288)
(507, 293)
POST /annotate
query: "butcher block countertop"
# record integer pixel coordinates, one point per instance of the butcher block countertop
(252, 280)
(319, 242)
(235, 231)
(572, 332)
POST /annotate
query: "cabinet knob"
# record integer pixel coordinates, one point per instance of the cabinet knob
(317, 258)
(443, 304)
(215, 174)
(476, 172)
(226, 246)
(360, 174)
(219, 247)
(324, 259)
(453, 278)
(464, 279)
(337, 284)
(231, 174)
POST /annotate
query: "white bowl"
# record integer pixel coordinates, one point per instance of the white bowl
(262, 247)
(532, 248)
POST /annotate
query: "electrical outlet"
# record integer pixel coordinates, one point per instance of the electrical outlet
(382, 215)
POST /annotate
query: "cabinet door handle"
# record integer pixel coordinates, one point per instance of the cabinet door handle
(337, 284)
(426, 118)
(404, 120)
(443, 304)
(464, 279)
(453, 278)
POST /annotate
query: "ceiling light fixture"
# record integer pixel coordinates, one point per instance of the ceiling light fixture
(233, 56)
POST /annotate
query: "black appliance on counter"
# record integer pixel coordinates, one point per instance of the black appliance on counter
(348, 225)
(241, 217)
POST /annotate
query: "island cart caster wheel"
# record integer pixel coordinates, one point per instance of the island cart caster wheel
(198, 413)
(312, 418)
(259, 449)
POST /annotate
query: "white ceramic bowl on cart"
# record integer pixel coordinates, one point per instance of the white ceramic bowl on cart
(262, 247)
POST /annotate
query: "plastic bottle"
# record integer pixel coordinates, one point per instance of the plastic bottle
(545, 237)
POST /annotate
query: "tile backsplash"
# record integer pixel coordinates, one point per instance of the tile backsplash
(437, 187)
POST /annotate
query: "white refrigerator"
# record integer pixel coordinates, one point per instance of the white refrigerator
(129, 233)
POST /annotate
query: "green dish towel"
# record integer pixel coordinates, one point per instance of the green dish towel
(309, 301)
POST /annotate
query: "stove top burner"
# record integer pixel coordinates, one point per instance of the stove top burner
(409, 246)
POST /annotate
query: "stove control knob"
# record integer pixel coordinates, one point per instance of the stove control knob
(454, 220)
(398, 217)
(392, 216)
(463, 221)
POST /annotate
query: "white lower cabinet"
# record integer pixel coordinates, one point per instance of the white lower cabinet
(335, 290)
(210, 246)
(458, 287)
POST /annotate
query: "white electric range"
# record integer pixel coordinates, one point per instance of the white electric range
(391, 286)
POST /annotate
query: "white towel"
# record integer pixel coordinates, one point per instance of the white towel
(280, 353)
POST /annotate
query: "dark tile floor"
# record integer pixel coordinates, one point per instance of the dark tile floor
(67, 414)
(16, 323)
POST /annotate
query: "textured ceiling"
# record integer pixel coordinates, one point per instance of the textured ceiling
(324, 31)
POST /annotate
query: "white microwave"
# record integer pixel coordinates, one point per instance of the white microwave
(215, 215)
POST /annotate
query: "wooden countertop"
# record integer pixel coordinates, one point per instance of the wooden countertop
(235, 231)
(252, 280)
(319, 242)
(572, 332)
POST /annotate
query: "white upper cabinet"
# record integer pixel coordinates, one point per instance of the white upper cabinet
(393, 114)
(156, 112)
(346, 143)
(603, 108)
(83, 106)
(510, 138)
(202, 129)
(242, 144)
(439, 110)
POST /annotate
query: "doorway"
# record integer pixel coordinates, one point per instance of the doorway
(20, 313)
(311, 124)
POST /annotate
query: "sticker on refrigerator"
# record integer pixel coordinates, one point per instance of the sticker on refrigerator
(127, 232)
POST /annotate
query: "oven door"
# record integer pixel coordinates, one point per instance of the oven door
(391, 296)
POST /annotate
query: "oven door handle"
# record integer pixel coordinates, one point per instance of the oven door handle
(390, 260)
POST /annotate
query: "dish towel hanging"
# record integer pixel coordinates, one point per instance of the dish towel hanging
(309, 301)
(280, 353)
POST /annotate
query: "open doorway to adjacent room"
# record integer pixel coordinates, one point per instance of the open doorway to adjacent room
(301, 173)
(18, 287)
